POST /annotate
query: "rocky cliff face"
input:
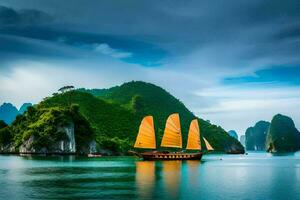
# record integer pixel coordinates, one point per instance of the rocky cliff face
(68, 145)
(93, 147)
(64, 146)
(256, 136)
(282, 135)
(27, 147)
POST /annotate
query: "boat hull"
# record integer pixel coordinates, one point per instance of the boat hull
(170, 156)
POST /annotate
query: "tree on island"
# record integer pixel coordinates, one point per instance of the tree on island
(67, 89)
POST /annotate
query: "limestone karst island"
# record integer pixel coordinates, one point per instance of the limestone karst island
(145, 100)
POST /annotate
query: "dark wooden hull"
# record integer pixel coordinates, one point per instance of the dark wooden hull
(170, 156)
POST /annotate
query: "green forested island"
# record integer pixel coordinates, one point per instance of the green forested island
(282, 135)
(105, 120)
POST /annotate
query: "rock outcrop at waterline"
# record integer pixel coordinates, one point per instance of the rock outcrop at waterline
(64, 146)
(282, 135)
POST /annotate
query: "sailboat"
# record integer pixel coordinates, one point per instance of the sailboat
(172, 138)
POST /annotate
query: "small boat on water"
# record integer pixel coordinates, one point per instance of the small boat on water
(94, 155)
(172, 138)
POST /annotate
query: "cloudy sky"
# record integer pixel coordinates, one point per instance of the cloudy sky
(232, 62)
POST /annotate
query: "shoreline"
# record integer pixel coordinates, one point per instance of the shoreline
(98, 154)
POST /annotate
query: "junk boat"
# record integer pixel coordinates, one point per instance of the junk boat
(172, 138)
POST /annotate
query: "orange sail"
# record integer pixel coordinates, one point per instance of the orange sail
(146, 136)
(172, 134)
(193, 142)
(208, 146)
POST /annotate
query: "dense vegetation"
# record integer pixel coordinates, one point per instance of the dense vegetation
(2, 124)
(256, 136)
(115, 127)
(5, 135)
(142, 99)
(282, 135)
(45, 125)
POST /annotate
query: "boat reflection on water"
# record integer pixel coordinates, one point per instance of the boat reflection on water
(171, 178)
(193, 171)
(145, 179)
(166, 175)
(192, 179)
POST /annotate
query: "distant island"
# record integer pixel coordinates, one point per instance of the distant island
(233, 134)
(243, 140)
(106, 121)
(256, 136)
(8, 112)
(280, 135)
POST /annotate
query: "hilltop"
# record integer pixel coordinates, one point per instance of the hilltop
(143, 98)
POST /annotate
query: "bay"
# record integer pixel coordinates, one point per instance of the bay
(256, 176)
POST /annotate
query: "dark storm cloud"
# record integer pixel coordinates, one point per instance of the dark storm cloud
(248, 31)
(9, 17)
(290, 32)
(18, 47)
(34, 33)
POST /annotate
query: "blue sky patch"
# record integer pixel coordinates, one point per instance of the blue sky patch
(277, 74)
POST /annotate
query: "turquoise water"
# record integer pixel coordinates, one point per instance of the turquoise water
(254, 176)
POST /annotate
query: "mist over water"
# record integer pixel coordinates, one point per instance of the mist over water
(254, 176)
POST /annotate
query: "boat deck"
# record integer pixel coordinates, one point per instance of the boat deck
(171, 156)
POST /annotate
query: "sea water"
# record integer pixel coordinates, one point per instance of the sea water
(257, 176)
